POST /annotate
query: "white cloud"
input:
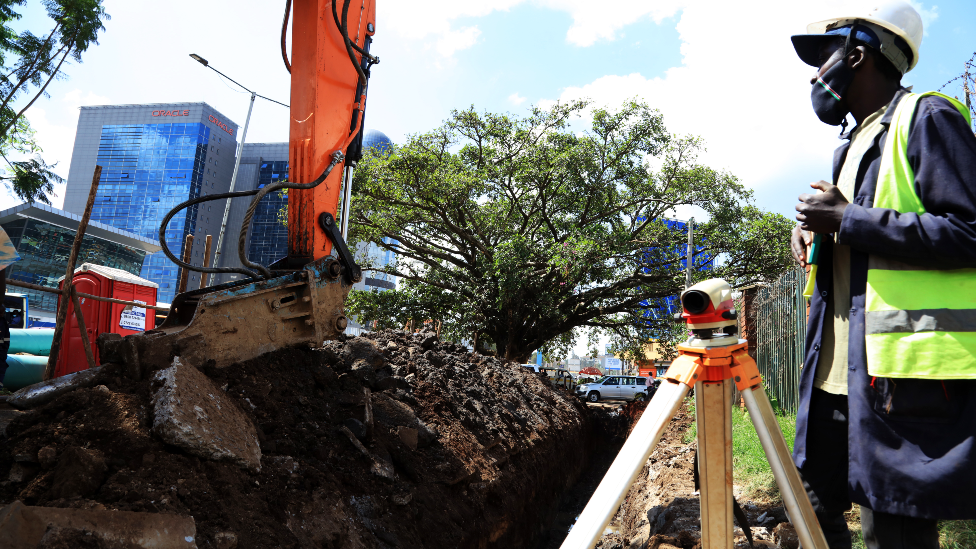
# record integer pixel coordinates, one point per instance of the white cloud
(594, 21)
(433, 20)
(516, 99)
(746, 93)
(455, 40)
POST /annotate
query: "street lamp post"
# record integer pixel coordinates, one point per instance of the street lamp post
(237, 163)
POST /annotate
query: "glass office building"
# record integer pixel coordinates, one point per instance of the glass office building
(43, 237)
(268, 239)
(152, 160)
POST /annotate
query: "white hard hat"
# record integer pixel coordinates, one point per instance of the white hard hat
(887, 19)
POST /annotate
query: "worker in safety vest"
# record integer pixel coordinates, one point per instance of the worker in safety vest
(887, 415)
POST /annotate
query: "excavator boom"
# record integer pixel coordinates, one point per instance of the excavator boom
(300, 299)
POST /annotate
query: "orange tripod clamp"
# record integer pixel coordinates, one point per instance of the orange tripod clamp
(714, 365)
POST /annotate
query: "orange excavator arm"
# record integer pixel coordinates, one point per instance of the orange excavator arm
(329, 72)
(300, 300)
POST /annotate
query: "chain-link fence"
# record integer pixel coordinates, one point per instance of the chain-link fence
(777, 319)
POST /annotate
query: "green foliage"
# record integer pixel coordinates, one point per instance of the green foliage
(30, 63)
(527, 233)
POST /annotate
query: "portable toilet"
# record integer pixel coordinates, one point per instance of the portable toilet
(103, 316)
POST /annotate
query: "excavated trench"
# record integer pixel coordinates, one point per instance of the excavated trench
(388, 440)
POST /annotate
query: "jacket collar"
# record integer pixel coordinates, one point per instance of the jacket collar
(888, 115)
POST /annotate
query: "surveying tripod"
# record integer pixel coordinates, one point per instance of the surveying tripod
(710, 365)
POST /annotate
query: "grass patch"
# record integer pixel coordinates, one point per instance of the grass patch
(953, 534)
(957, 534)
(750, 467)
(5, 391)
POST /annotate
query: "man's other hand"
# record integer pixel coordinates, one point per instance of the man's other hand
(821, 212)
(799, 243)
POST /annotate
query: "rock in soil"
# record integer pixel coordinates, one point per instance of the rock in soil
(192, 413)
(464, 450)
(785, 536)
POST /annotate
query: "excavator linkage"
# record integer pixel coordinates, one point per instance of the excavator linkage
(226, 324)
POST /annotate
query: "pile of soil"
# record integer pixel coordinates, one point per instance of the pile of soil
(387, 440)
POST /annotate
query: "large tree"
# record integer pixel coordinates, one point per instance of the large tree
(30, 62)
(520, 231)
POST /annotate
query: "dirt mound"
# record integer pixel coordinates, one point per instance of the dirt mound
(393, 439)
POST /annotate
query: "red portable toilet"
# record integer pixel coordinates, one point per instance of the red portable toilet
(103, 316)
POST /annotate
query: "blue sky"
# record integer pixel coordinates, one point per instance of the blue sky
(722, 70)
(718, 69)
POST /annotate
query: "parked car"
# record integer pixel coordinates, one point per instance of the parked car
(616, 388)
(560, 378)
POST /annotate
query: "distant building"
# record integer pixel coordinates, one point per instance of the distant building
(154, 157)
(43, 237)
(261, 164)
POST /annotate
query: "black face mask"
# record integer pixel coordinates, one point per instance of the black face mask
(828, 91)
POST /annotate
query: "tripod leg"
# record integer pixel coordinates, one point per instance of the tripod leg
(787, 478)
(713, 401)
(629, 462)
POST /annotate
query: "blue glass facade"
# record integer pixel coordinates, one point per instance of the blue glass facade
(44, 249)
(147, 169)
(268, 240)
(664, 309)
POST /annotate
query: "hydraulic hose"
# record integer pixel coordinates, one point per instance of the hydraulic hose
(187, 204)
(284, 32)
(337, 157)
(373, 60)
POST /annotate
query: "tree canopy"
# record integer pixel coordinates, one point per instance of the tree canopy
(519, 231)
(30, 63)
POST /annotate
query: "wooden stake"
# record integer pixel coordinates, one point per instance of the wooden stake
(187, 256)
(82, 328)
(206, 262)
(69, 275)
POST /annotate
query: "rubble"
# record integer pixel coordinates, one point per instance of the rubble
(192, 413)
(393, 439)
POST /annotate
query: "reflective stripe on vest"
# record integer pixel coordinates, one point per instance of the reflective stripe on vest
(919, 323)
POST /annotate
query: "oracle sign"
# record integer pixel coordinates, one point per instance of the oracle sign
(221, 125)
(171, 113)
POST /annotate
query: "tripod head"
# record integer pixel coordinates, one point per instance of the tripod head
(710, 313)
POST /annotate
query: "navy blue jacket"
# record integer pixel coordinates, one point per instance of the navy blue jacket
(912, 443)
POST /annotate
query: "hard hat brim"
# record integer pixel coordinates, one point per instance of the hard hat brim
(808, 46)
(821, 27)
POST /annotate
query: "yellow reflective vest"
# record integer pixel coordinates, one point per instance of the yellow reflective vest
(919, 322)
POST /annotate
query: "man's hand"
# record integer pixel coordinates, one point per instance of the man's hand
(821, 212)
(799, 243)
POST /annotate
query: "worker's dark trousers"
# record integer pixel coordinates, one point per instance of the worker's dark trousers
(825, 479)
(4, 345)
